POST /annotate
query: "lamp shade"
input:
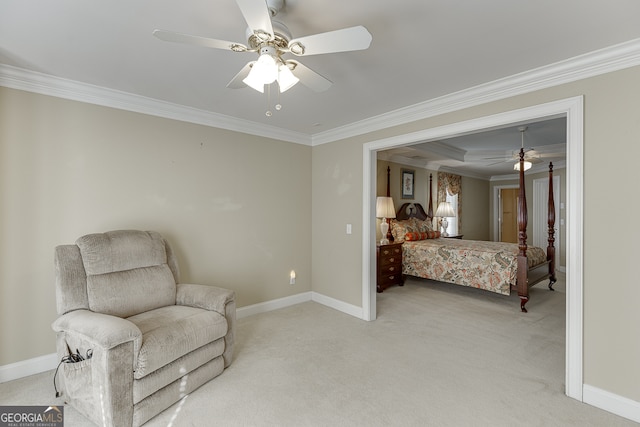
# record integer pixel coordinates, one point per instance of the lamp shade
(385, 208)
(445, 210)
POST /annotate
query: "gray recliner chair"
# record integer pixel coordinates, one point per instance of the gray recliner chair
(146, 339)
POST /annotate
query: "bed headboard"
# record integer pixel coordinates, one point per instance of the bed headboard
(411, 210)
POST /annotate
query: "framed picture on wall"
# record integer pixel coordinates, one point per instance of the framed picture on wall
(407, 183)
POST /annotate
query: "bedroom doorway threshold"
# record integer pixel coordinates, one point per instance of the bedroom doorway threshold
(572, 109)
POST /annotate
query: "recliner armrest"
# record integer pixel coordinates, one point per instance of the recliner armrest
(220, 300)
(211, 298)
(104, 330)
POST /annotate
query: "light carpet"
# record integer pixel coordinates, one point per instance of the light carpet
(438, 355)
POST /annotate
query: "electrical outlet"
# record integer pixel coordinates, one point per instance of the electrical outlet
(348, 228)
(292, 277)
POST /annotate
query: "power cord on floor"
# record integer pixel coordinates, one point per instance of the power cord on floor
(70, 358)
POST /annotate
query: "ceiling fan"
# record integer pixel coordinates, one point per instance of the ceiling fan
(271, 39)
(531, 155)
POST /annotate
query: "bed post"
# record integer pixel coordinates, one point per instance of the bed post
(430, 205)
(389, 234)
(521, 281)
(551, 250)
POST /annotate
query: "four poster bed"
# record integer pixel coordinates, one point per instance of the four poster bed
(494, 266)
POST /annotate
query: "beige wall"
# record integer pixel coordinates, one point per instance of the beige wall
(475, 209)
(610, 284)
(337, 201)
(236, 208)
(420, 184)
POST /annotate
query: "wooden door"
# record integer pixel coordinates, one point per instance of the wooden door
(509, 215)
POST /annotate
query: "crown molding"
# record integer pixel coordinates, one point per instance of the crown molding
(44, 84)
(435, 166)
(613, 58)
(464, 173)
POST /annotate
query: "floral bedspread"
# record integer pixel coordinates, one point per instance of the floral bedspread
(491, 266)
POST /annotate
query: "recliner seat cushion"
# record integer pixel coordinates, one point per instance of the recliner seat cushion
(173, 331)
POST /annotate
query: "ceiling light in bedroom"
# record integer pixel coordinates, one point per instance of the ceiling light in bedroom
(264, 71)
(267, 69)
(526, 164)
(445, 210)
(385, 210)
(286, 79)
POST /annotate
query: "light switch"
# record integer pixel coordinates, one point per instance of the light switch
(348, 228)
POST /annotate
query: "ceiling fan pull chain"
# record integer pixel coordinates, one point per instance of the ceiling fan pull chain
(268, 113)
(278, 105)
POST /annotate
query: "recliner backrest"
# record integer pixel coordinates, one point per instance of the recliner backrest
(120, 273)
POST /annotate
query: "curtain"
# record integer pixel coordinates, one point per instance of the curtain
(452, 184)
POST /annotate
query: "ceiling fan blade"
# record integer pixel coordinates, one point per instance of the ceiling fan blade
(308, 77)
(347, 39)
(534, 160)
(553, 150)
(258, 17)
(497, 163)
(237, 81)
(170, 36)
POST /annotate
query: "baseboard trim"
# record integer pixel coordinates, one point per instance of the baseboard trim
(275, 304)
(342, 306)
(610, 402)
(25, 368)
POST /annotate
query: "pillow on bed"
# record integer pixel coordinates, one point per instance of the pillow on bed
(424, 225)
(421, 235)
(399, 229)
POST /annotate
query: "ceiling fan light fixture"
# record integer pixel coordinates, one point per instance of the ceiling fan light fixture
(253, 80)
(286, 79)
(268, 68)
(527, 165)
(263, 72)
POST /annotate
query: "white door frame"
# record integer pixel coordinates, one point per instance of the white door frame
(572, 109)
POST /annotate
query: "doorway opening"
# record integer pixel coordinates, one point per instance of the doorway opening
(572, 110)
(508, 215)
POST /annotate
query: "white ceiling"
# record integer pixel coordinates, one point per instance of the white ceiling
(421, 50)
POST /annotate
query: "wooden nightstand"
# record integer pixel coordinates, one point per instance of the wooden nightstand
(453, 236)
(388, 265)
